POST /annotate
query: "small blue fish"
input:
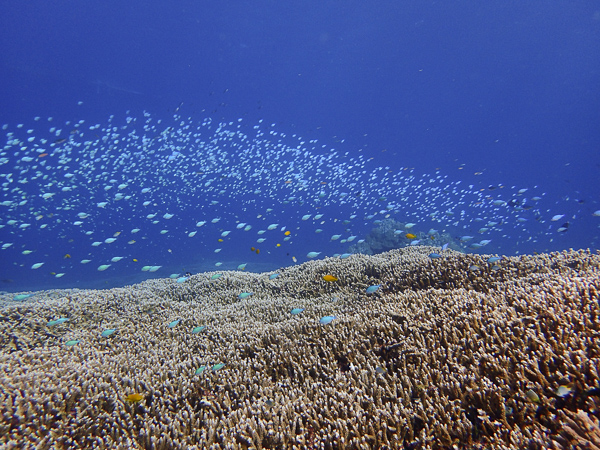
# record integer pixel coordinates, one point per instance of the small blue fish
(563, 391)
(345, 255)
(434, 255)
(244, 295)
(174, 323)
(216, 276)
(57, 321)
(107, 333)
(200, 369)
(494, 259)
(72, 343)
(21, 297)
(273, 276)
(372, 289)
(296, 311)
(445, 246)
(182, 279)
(313, 254)
(327, 319)
(198, 329)
(218, 367)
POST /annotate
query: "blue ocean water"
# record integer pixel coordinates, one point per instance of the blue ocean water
(479, 121)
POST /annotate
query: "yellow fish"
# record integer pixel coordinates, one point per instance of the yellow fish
(329, 278)
(134, 398)
(287, 233)
(410, 236)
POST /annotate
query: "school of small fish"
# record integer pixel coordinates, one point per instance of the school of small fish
(77, 193)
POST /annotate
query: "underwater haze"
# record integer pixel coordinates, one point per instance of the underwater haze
(158, 139)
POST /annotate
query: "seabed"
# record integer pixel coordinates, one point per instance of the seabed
(450, 352)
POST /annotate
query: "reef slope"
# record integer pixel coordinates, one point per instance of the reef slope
(447, 352)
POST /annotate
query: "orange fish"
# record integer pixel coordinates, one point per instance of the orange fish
(257, 251)
(410, 236)
(329, 278)
(41, 155)
(287, 233)
(134, 398)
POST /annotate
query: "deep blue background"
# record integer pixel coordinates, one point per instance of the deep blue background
(510, 89)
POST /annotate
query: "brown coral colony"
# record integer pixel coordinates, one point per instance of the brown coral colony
(438, 356)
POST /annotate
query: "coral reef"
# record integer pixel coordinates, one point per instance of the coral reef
(447, 353)
(391, 234)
